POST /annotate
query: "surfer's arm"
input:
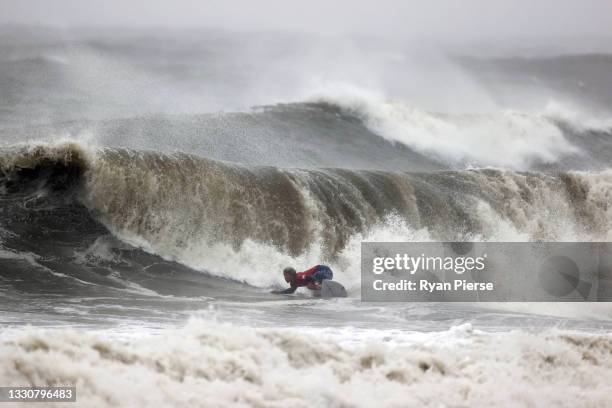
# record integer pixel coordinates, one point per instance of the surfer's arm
(287, 291)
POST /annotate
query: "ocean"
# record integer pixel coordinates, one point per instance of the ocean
(155, 183)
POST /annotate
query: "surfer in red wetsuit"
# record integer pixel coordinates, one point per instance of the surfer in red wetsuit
(311, 278)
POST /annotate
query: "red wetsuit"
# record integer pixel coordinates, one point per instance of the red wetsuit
(301, 278)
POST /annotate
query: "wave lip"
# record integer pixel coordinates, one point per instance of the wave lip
(18, 159)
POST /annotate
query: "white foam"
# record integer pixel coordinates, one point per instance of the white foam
(206, 364)
(260, 264)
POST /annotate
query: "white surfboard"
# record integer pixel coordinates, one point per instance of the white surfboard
(332, 289)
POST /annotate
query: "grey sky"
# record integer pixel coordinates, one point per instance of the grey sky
(433, 19)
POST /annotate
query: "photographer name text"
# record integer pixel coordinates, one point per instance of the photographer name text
(429, 264)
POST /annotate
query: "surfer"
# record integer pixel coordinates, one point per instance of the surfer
(311, 278)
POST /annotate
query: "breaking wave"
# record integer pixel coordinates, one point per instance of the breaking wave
(246, 222)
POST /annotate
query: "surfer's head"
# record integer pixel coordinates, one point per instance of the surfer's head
(289, 274)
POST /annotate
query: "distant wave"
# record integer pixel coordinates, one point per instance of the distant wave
(508, 139)
(244, 222)
(359, 132)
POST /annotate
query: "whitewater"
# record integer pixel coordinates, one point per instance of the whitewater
(142, 231)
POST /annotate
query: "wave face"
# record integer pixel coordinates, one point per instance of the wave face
(221, 365)
(246, 222)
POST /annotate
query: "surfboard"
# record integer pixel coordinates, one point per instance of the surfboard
(332, 289)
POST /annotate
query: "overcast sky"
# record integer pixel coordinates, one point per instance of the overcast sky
(431, 19)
